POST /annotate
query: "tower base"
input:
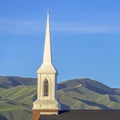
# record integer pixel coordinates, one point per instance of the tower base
(36, 113)
(44, 107)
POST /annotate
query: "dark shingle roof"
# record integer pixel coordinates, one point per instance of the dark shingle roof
(84, 115)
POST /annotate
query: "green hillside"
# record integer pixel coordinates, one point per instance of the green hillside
(7, 82)
(88, 94)
(17, 102)
(17, 95)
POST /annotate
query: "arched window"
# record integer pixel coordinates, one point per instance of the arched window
(46, 87)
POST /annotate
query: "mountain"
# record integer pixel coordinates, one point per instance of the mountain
(89, 84)
(8, 82)
(88, 94)
(18, 93)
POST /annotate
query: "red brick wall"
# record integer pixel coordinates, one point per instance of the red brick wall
(36, 113)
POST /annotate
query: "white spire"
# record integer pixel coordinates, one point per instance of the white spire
(47, 58)
(47, 66)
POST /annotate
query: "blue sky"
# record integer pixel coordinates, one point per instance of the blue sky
(85, 37)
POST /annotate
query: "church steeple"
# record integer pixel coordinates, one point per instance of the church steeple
(46, 102)
(47, 58)
(47, 66)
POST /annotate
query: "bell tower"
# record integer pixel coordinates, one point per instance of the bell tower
(46, 102)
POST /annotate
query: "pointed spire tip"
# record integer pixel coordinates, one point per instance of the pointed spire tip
(48, 12)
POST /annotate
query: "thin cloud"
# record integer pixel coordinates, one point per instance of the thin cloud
(29, 27)
(82, 28)
(12, 26)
